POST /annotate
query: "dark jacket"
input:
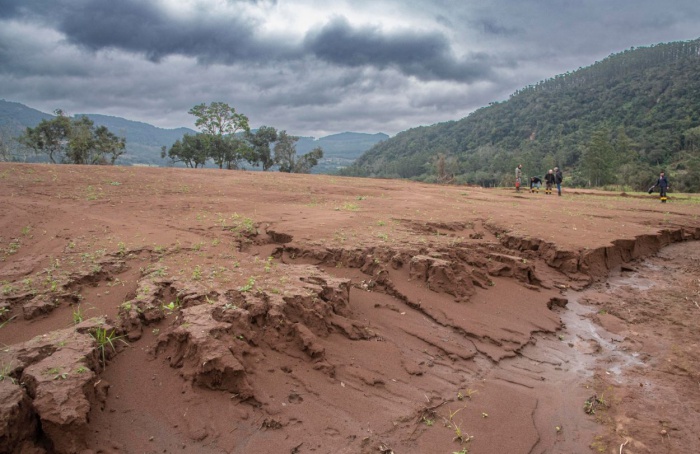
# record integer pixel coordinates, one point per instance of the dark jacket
(662, 182)
(549, 178)
(558, 178)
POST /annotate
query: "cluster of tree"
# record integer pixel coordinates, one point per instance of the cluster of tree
(226, 139)
(619, 121)
(73, 141)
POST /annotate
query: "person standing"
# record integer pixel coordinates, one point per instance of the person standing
(518, 177)
(663, 185)
(549, 182)
(558, 178)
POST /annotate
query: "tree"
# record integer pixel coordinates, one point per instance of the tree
(597, 158)
(692, 138)
(75, 141)
(49, 136)
(218, 118)
(308, 160)
(219, 123)
(5, 152)
(285, 151)
(108, 144)
(286, 155)
(192, 150)
(260, 141)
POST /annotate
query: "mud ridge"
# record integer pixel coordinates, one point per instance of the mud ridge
(595, 264)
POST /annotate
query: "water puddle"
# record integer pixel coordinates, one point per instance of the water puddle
(590, 342)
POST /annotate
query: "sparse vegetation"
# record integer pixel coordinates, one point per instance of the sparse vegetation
(5, 371)
(77, 315)
(106, 339)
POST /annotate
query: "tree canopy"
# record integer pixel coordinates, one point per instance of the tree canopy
(226, 139)
(286, 155)
(73, 141)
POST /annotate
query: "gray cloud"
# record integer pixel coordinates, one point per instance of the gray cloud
(424, 55)
(365, 65)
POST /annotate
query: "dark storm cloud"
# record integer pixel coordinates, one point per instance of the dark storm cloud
(142, 27)
(426, 56)
(310, 66)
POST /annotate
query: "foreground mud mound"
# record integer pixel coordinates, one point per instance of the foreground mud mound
(154, 310)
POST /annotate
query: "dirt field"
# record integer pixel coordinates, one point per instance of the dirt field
(206, 311)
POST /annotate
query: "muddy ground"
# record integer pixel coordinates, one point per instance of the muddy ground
(206, 311)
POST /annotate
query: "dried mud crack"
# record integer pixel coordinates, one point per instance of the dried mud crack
(246, 333)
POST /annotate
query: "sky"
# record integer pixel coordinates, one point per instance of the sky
(311, 67)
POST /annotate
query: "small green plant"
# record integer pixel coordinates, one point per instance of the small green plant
(268, 264)
(350, 206)
(26, 230)
(121, 248)
(160, 271)
(5, 371)
(7, 289)
(428, 421)
(105, 339)
(593, 403)
(249, 285)
(197, 273)
(77, 315)
(91, 193)
(172, 306)
(81, 370)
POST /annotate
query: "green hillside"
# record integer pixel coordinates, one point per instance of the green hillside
(618, 121)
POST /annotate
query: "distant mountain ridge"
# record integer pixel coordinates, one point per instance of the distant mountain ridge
(144, 141)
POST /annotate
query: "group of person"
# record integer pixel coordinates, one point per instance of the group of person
(552, 178)
(555, 177)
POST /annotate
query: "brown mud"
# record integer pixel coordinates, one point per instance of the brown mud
(161, 310)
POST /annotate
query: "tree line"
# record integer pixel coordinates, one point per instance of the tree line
(226, 138)
(617, 122)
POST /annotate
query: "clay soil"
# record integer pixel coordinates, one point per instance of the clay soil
(207, 311)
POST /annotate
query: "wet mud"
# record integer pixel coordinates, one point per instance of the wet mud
(158, 310)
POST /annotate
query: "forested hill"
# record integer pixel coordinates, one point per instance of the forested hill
(618, 121)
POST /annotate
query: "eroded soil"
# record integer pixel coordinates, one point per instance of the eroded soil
(205, 311)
